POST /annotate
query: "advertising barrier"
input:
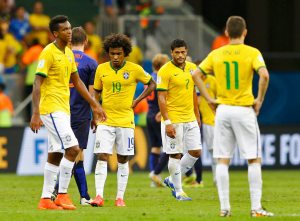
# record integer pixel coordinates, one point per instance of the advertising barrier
(25, 153)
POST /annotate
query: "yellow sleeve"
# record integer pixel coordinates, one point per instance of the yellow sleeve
(142, 75)
(206, 66)
(74, 67)
(44, 63)
(258, 61)
(163, 78)
(98, 80)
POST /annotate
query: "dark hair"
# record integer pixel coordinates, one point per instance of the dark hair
(55, 21)
(178, 43)
(118, 41)
(78, 36)
(235, 26)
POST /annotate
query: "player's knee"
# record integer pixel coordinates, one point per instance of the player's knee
(102, 156)
(72, 152)
(122, 159)
(195, 153)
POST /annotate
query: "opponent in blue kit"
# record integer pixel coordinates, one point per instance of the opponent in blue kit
(157, 159)
(80, 109)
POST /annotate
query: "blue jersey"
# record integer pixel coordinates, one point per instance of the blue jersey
(153, 100)
(86, 66)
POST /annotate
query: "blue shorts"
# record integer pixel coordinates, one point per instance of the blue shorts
(81, 131)
(154, 132)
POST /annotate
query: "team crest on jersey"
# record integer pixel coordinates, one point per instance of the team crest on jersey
(97, 144)
(192, 71)
(68, 138)
(207, 85)
(126, 75)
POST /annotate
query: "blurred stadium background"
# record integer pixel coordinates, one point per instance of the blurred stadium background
(273, 27)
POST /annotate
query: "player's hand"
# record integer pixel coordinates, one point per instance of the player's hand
(212, 103)
(170, 130)
(158, 117)
(134, 104)
(93, 125)
(98, 113)
(256, 106)
(36, 123)
(199, 122)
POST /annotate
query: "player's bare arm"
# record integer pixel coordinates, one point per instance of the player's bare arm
(96, 95)
(262, 88)
(98, 112)
(162, 102)
(151, 87)
(196, 108)
(36, 122)
(199, 83)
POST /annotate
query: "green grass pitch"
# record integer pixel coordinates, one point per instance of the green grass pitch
(19, 196)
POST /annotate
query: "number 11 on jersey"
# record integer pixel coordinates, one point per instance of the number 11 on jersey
(228, 73)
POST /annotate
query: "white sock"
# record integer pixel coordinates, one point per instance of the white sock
(222, 176)
(255, 184)
(187, 162)
(65, 174)
(122, 176)
(100, 177)
(50, 177)
(175, 173)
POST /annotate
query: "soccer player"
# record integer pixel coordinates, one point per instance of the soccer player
(236, 121)
(208, 118)
(80, 109)
(51, 107)
(116, 81)
(157, 159)
(180, 131)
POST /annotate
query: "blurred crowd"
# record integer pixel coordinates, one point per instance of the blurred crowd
(24, 33)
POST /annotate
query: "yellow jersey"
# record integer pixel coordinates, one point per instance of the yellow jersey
(180, 86)
(57, 68)
(15, 48)
(233, 67)
(135, 56)
(207, 114)
(118, 87)
(39, 20)
(96, 43)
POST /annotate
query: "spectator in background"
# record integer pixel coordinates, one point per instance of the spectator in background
(94, 39)
(39, 23)
(13, 49)
(2, 52)
(6, 107)
(220, 40)
(5, 8)
(136, 55)
(29, 60)
(19, 25)
(89, 51)
(109, 8)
